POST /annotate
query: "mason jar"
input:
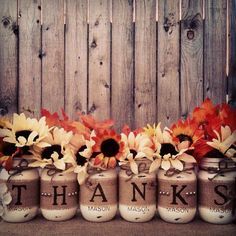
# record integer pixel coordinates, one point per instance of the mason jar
(217, 190)
(137, 193)
(177, 194)
(23, 184)
(98, 196)
(58, 195)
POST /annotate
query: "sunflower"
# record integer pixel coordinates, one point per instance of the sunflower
(24, 131)
(137, 146)
(7, 152)
(166, 153)
(186, 133)
(81, 150)
(107, 149)
(225, 143)
(53, 150)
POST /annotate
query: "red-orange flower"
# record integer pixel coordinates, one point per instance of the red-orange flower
(108, 148)
(186, 132)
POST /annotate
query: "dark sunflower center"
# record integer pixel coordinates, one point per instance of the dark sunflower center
(25, 134)
(80, 159)
(167, 148)
(215, 154)
(48, 151)
(110, 147)
(183, 137)
(133, 152)
(8, 149)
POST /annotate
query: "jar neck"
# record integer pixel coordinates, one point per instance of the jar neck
(217, 163)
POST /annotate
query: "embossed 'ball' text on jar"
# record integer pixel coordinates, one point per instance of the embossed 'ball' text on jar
(217, 190)
(137, 193)
(23, 184)
(58, 195)
(98, 195)
(177, 194)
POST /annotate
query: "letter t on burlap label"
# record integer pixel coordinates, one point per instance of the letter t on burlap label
(19, 187)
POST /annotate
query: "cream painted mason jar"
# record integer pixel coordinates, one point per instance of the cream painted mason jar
(217, 190)
(177, 195)
(98, 196)
(137, 193)
(58, 195)
(23, 184)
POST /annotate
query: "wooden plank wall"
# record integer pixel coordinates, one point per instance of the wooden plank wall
(137, 61)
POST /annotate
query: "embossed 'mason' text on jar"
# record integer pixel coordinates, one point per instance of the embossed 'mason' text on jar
(58, 195)
(177, 194)
(217, 190)
(23, 185)
(98, 196)
(137, 193)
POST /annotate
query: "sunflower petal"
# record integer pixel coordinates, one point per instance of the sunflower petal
(186, 158)
(165, 164)
(155, 165)
(177, 164)
(134, 167)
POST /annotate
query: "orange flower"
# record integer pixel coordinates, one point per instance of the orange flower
(186, 132)
(108, 148)
(200, 114)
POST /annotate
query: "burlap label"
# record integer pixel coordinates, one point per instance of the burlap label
(216, 194)
(25, 193)
(58, 195)
(177, 194)
(99, 192)
(137, 191)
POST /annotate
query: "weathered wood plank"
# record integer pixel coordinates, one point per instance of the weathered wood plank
(99, 59)
(215, 50)
(122, 106)
(168, 62)
(145, 62)
(191, 88)
(232, 53)
(8, 56)
(29, 62)
(76, 57)
(53, 55)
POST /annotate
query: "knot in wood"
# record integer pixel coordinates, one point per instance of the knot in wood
(190, 34)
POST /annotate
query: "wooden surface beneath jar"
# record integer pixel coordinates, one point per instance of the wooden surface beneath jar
(79, 226)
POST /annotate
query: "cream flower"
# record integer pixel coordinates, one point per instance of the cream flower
(53, 150)
(25, 131)
(225, 142)
(136, 147)
(5, 198)
(167, 154)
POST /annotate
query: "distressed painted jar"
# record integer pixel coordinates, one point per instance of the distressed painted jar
(98, 196)
(177, 195)
(217, 190)
(23, 184)
(137, 193)
(58, 195)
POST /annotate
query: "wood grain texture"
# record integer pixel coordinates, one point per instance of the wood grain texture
(99, 59)
(232, 53)
(8, 56)
(145, 62)
(29, 57)
(168, 62)
(215, 50)
(122, 106)
(191, 88)
(53, 55)
(76, 57)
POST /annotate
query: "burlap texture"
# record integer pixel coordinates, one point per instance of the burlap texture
(126, 189)
(207, 196)
(166, 200)
(29, 194)
(109, 188)
(46, 202)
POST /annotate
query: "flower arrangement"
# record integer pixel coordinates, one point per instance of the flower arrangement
(69, 145)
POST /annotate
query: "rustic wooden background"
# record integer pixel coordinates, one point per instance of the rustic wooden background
(136, 61)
